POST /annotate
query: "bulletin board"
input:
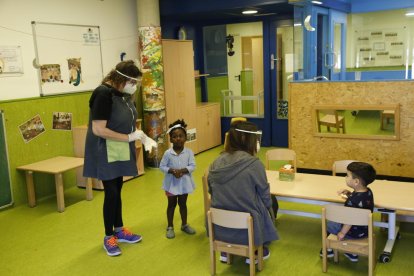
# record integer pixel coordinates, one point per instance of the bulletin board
(380, 47)
(6, 197)
(68, 57)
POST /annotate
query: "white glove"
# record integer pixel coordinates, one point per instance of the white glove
(136, 135)
(148, 143)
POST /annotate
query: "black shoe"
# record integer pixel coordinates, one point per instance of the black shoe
(329, 253)
(352, 257)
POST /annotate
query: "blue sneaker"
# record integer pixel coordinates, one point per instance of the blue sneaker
(111, 246)
(266, 255)
(126, 236)
(352, 257)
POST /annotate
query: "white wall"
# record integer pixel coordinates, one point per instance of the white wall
(118, 27)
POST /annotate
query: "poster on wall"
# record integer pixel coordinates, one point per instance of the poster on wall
(62, 121)
(380, 48)
(50, 73)
(10, 60)
(75, 71)
(32, 128)
(191, 134)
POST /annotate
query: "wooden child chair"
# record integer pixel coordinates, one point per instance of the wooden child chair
(235, 220)
(352, 216)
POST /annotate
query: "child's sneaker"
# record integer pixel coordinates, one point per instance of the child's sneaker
(329, 253)
(188, 229)
(352, 257)
(266, 255)
(170, 233)
(111, 246)
(126, 236)
(223, 257)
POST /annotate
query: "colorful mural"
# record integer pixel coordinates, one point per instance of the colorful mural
(153, 100)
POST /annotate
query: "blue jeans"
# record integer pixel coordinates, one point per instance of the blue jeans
(335, 228)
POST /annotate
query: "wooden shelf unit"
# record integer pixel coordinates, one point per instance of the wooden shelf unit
(180, 96)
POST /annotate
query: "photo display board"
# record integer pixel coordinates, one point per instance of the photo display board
(68, 57)
(380, 47)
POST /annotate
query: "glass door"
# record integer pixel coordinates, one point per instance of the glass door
(245, 93)
(281, 68)
(323, 45)
(335, 57)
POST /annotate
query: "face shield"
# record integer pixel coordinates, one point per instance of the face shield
(133, 82)
(258, 136)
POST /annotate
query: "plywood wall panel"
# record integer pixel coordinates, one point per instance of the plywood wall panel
(389, 157)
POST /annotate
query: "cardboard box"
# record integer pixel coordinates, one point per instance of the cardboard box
(286, 174)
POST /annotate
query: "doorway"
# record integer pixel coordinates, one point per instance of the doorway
(244, 96)
(281, 70)
(253, 87)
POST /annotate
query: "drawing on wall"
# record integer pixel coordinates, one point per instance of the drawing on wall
(75, 71)
(50, 73)
(62, 121)
(11, 60)
(380, 47)
(32, 128)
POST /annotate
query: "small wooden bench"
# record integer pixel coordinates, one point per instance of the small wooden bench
(57, 166)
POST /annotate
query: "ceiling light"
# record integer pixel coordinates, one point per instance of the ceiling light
(265, 14)
(249, 12)
(317, 2)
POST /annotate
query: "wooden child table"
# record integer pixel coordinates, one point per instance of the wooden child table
(57, 166)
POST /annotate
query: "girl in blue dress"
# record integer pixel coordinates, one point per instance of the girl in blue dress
(177, 164)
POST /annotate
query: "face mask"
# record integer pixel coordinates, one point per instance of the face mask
(130, 88)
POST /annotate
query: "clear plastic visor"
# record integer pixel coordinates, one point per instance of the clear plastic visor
(258, 134)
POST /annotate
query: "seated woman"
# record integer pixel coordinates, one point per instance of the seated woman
(237, 182)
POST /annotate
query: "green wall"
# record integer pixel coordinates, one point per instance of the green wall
(246, 78)
(214, 87)
(49, 144)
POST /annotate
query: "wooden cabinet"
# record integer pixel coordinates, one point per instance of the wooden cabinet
(180, 96)
(79, 137)
(208, 126)
(179, 85)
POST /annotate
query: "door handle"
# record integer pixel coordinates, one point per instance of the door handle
(237, 77)
(330, 63)
(272, 61)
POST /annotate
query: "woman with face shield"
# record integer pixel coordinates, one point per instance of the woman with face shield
(237, 181)
(110, 146)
